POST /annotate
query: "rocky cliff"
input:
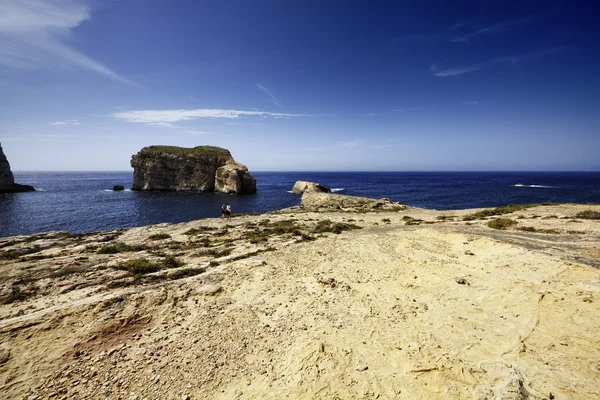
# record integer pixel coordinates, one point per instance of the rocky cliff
(202, 168)
(303, 186)
(7, 180)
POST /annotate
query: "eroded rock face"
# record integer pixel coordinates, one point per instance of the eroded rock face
(7, 180)
(202, 168)
(330, 201)
(303, 186)
(234, 177)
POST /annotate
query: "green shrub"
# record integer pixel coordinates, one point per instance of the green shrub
(501, 223)
(588, 214)
(185, 272)
(159, 236)
(490, 212)
(139, 266)
(120, 248)
(172, 262)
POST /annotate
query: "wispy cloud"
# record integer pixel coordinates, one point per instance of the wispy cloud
(350, 144)
(67, 122)
(496, 28)
(470, 103)
(197, 133)
(513, 60)
(155, 117)
(272, 97)
(33, 34)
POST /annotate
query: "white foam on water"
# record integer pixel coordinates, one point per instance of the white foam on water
(289, 191)
(337, 189)
(532, 186)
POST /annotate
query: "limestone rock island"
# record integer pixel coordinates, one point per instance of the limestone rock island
(7, 180)
(202, 168)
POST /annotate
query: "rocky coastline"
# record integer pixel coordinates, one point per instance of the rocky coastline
(338, 297)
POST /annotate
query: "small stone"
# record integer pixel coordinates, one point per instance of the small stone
(362, 367)
(462, 281)
(210, 290)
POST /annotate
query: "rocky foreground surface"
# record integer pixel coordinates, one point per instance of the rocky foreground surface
(354, 303)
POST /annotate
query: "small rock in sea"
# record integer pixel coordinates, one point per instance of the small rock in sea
(462, 281)
(362, 367)
(118, 188)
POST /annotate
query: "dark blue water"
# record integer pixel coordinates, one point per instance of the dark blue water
(81, 202)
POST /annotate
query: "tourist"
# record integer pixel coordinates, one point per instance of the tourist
(223, 210)
(228, 210)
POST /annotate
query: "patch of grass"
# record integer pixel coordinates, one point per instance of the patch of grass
(306, 238)
(588, 214)
(13, 254)
(222, 253)
(140, 266)
(120, 247)
(490, 212)
(337, 228)
(411, 221)
(255, 239)
(185, 272)
(213, 263)
(527, 229)
(70, 270)
(172, 262)
(159, 236)
(386, 220)
(501, 223)
(445, 217)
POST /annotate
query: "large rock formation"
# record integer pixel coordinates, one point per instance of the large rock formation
(202, 168)
(7, 180)
(303, 186)
(318, 201)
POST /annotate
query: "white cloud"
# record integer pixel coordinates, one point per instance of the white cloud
(33, 34)
(351, 144)
(67, 122)
(274, 99)
(168, 116)
(493, 28)
(500, 60)
(471, 103)
(197, 133)
(455, 71)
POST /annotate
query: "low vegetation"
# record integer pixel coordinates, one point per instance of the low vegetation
(501, 223)
(588, 214)
(120, 247)
(159, 236)
(490, 212)
(337, 228)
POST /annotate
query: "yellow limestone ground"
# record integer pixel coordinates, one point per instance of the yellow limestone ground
(440, 311)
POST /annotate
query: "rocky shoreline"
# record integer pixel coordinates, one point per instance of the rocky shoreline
(328, 300)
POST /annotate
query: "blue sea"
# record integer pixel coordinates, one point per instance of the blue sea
(83, 202)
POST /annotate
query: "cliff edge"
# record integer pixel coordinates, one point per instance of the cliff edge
(202, 168)
(7, 180)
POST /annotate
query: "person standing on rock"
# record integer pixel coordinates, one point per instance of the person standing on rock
(228, 210)
(223, 210)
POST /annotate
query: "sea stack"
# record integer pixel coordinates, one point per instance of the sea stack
(7, 180)
(201, 169)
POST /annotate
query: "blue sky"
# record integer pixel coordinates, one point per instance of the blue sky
(302, 85)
